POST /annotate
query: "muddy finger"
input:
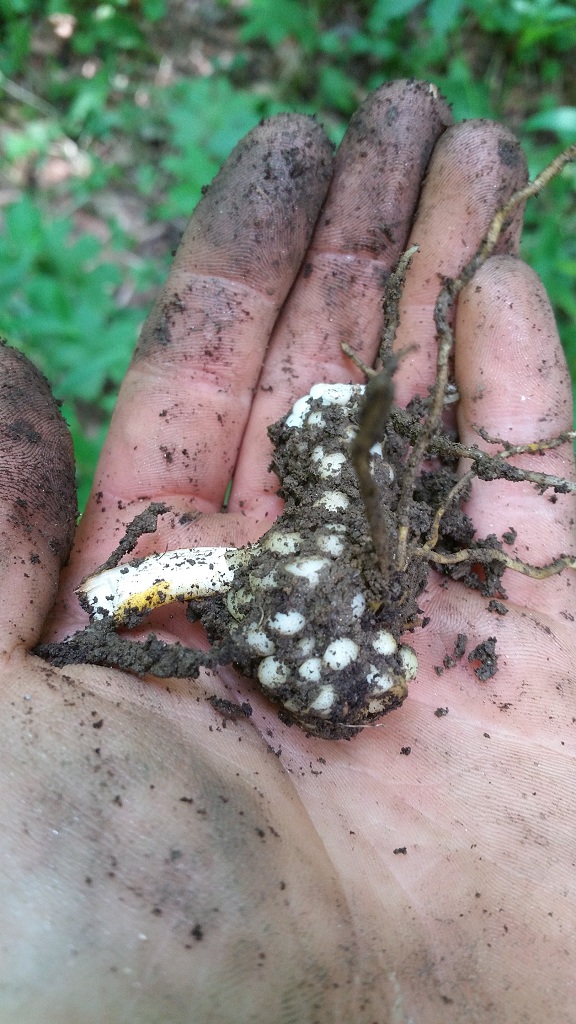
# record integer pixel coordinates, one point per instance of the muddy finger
(183, 406)
(475, 167)
(514, 382)
(37, 501)
(361, 232)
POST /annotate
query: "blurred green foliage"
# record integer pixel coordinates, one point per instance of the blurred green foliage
(100, 29)
(57, 303)
(85, 78)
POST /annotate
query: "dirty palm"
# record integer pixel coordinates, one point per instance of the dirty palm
(317, 609)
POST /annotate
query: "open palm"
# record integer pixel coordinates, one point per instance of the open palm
(164, 865)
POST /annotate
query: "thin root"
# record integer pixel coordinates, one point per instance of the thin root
(450, 290)
(484, 555)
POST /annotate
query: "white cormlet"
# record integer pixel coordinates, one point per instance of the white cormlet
(287, 623)
(340, 653)
(272, 673)
(308, 568)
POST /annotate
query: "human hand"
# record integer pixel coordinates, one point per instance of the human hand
(181, 871)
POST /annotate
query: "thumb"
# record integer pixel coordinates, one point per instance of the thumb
(37, 499)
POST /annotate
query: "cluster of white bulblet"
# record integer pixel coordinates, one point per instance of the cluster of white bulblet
(303, 609)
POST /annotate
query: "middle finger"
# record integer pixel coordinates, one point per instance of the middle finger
(361, 232)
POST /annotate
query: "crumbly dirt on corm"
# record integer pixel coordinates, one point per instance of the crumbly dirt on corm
(312, 616)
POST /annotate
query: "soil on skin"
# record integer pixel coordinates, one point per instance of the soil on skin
(484, 659)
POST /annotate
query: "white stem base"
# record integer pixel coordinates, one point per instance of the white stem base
(138, 587)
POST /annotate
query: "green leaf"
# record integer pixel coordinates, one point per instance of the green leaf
(385, 11)
(207, 118)
(468, 97)
(337, 89)
(90, 98)
(15, 52)
(276, 20)
(34, 137)
(443, 15)
(561, 120)
(154, 10)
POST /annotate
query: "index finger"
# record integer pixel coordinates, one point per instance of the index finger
(181, 410)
